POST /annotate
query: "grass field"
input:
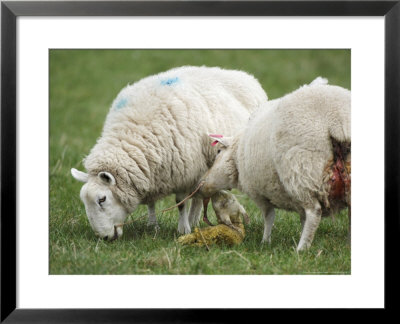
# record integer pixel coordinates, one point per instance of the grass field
(83, 84)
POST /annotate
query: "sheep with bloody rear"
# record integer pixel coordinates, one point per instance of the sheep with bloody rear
(154, 142)
(294, 154)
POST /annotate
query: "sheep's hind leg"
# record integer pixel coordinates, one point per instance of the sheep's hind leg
(269, 218)
(302, 220)
(313, 218)
(268, 212)
(195, 212)
(152, 216)
(183, 224)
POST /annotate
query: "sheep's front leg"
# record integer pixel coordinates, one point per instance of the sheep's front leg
(183, 224)
(152, 215)
(268, 213)
(195, 212)
(313, 218)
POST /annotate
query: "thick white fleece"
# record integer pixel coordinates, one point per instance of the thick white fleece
(154, 141)
(287, 145)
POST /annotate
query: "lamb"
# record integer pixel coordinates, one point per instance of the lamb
(154, 141)
(230, 229)
(294, 154)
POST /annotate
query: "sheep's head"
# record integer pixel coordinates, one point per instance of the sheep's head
(103, 209)
(223, 174)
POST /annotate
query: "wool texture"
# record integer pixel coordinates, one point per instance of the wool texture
(284, 151)
(154, 141)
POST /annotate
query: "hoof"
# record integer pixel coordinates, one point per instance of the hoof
(184, 229)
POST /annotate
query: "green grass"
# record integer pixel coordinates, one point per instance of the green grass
(83, 84)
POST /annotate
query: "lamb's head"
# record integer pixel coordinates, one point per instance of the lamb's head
(223, 174)
(103, 209)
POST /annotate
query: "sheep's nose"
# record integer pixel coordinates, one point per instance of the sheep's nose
(105, 238)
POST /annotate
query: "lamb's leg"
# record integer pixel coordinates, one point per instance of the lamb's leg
(183, 224)
(195, 212)
(268, 212)
(205, 217)
(152, 215)
(313, 218)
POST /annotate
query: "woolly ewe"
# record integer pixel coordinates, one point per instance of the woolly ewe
(154, 141)
(294, 154)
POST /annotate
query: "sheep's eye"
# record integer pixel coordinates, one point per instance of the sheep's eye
(101, 200)
(218, 151)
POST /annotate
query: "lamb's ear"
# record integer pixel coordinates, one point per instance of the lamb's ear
(225, 141)
(79, 175)
(107, 177)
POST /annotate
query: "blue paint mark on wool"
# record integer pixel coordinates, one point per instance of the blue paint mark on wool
(121, 103)
(170, 81)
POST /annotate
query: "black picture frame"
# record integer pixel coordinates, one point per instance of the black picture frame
(9, 13)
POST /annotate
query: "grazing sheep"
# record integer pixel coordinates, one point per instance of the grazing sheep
(230, 229)
(294, 154)
(154, 141)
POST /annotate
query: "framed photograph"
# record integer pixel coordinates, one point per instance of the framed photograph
(69, 70)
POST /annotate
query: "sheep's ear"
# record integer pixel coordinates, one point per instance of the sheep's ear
(79, 175)
(107, 177)
(225, 141)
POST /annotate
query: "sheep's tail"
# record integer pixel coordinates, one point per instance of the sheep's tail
(339, 114)
(318, 81)
(339, 123)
